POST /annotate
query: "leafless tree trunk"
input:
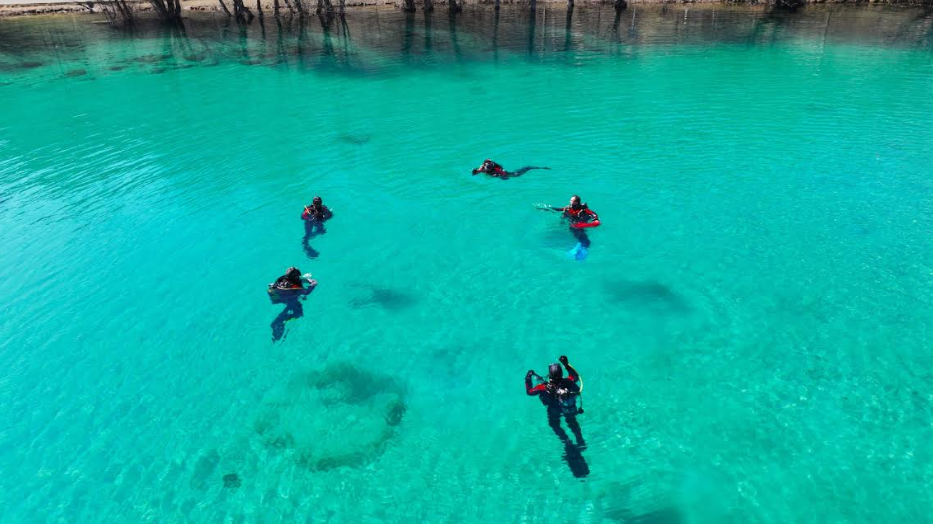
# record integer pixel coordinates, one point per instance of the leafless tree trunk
(429, 6)
(259, 9)
(532, 23)
(408, 6)
(620, 5)
(222, 4)
(168, 10)
(118, 11)
(453, 6)
(567, 29)
(241, 12)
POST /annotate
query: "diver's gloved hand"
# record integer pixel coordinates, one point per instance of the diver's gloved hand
(530, 373)
(562, 359)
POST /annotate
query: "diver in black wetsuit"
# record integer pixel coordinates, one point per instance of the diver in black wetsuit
(314, 217)
(559, 395)
(496, 170)
(289, 289)
(577, 212)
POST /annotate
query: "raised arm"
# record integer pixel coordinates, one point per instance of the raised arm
(571, 372)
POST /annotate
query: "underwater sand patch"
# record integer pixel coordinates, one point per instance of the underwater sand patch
(151, 59)
(357, 139)
(383, 297)
(341, 416)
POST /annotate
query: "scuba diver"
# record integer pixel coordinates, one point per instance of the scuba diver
(496, 170)
(559, 395)
(580, 217)
(289, 289)
(314, 216)
(317, 211)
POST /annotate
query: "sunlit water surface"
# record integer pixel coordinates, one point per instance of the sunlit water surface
(752, 320)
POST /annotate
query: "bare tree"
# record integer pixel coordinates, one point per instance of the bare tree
(168, 10)
(324, 6)
(240, 12)
(118, 11)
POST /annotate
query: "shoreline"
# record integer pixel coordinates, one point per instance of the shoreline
(46, 7)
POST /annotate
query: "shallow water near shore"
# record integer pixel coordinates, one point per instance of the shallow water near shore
(752, 319)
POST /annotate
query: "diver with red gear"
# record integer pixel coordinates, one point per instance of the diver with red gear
(559, 395)
(314, 216)
(496, 170)
(577, 212)
(289, 289)
(580, 216)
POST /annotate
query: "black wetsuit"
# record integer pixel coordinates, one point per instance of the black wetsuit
(560, 399)
(314, 225)
(577, 215)
(319, 214)
(496, 170)
(288, 291)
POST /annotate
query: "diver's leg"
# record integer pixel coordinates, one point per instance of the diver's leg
(293, 309)
(572, 453)
(309, 234)
(581, 237)
(523, 170)
(296, 310)
(575, 428)
(553, 420)
(278, 324)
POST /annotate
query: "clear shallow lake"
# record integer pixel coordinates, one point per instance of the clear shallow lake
(752, 321)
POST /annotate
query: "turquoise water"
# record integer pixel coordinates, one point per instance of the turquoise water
(752, 321)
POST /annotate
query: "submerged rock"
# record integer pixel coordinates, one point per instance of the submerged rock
(232, 480)
(151, 59)
(645, 294)
(75, 72)
(355, 139)
(341, 416)
(204, 469)
(386, 298)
